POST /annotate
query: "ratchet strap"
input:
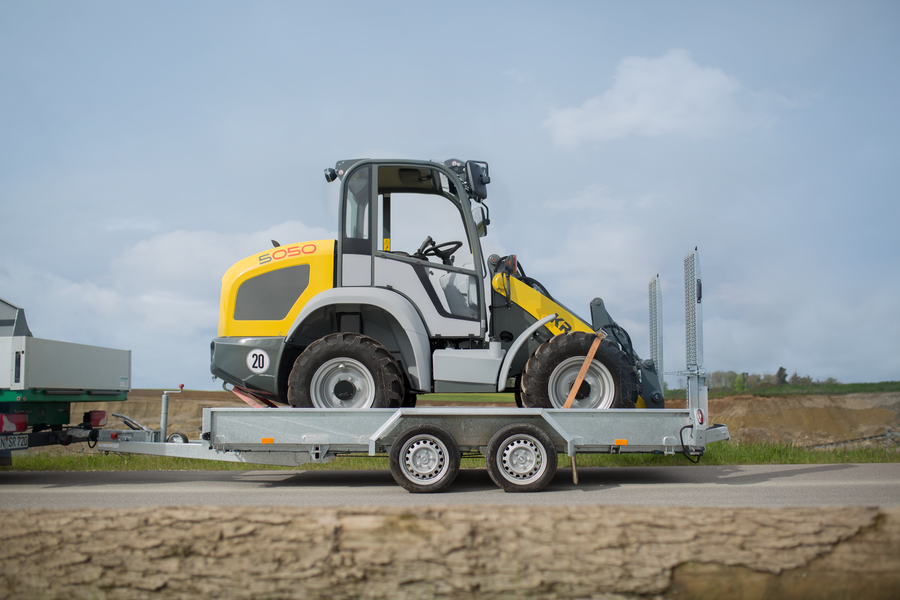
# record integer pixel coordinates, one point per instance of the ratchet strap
(584, 368)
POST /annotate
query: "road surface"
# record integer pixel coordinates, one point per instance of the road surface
(722, 486)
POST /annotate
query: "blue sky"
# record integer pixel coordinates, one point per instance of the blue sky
(145, 147)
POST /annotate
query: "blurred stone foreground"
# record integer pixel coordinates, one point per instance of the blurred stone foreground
(598, 552)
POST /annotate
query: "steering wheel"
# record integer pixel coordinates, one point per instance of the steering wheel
(442, 251)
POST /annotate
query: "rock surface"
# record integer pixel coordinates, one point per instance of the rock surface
(598, 552)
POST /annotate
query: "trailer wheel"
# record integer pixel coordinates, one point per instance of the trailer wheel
(521, 458)
(610, 382)
(424, 458)
(345, 370)
(177, 438)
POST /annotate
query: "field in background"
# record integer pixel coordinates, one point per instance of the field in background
(853, 423)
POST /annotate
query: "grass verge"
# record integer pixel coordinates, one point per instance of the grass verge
(724, 453)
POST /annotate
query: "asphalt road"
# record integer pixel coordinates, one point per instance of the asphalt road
(722, 486)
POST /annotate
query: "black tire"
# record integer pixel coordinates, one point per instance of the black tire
(177, 438)
(521, 458)
(409, 398)
(424, 458)
(611, 381)
(345, 370)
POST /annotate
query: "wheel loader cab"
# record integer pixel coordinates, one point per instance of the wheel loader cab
(409, 228)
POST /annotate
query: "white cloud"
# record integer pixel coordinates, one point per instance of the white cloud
(159, 299)
(669, 95)
(191, 263)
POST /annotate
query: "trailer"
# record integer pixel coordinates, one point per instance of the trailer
(425, 445)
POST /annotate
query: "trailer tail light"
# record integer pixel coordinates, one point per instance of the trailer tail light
(13, 423)
(97, 418)
(699, 417)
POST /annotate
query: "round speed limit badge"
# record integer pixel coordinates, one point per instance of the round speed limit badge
(258, 361)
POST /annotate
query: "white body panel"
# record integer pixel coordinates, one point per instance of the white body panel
(401, 276)
(34, 363)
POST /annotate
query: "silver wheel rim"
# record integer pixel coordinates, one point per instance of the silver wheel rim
(598, 377)
(424, 459)
(331, 373)
(522, 459)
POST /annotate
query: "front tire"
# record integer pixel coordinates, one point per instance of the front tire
(549, 375)
(345, 370)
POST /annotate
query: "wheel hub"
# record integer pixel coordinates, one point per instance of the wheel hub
(583, 392)
(342, 383)
(597, 390)
(344, 390)
(424, 459)
(522, 459)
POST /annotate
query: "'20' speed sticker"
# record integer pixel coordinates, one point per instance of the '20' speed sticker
(258, 361)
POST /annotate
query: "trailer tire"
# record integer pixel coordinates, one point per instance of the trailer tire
(345, 370)
(424, 458)
(610, 382)
(177, 438)
(521, 458)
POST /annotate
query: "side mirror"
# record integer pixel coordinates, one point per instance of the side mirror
(481, 220)
(478, 178)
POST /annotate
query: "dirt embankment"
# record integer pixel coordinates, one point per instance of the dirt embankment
(808, 420)
(599, 552)
(797, 420)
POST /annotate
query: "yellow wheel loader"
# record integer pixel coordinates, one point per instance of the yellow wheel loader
(405, 303)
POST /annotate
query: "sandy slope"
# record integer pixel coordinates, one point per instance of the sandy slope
(808, 420)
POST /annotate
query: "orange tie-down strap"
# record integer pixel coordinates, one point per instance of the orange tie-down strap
(584, 368)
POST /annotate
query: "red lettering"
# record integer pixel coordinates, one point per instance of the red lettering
(305, 251)
(275, 254)
(294, 251)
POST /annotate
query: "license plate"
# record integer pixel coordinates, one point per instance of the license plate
(13, 442)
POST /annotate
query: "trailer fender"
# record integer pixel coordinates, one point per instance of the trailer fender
(392, 303)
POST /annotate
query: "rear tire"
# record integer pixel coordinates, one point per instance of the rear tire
(521, 458)
(518, 392)
(409, 398)
(424, 458)
(549, 375)
(345, 370)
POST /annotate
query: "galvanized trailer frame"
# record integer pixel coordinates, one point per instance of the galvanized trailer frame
(293, 437)
(520, 446)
